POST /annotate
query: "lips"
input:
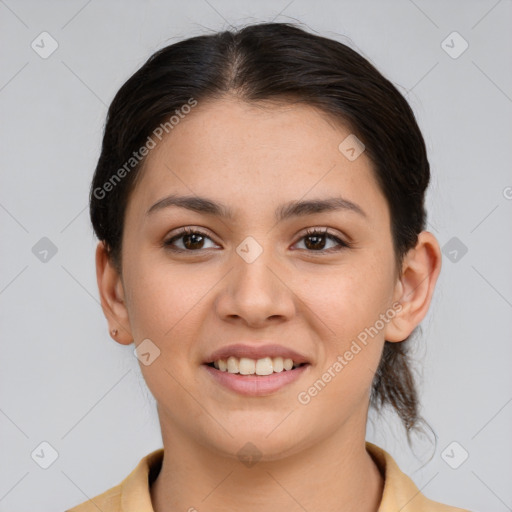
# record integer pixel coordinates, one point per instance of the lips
(256, 385)
(255, 352)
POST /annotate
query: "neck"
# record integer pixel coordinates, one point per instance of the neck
(334, 475)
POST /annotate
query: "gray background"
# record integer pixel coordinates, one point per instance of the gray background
(64, 381)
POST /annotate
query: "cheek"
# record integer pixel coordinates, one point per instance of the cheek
(160, 297)
(349, 302)
(350, 306)
(164, 305)
(348, 299)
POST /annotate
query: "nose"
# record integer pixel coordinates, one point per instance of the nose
(256, 292)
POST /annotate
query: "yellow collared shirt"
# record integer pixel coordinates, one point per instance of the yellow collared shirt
(132, 494)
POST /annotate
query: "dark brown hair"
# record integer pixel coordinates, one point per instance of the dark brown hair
(276, 61)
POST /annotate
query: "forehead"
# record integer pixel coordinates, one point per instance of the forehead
(256, 154)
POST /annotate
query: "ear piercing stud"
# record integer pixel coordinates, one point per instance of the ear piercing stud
(114, 332)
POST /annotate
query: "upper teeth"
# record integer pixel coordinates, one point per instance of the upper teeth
(246, 366)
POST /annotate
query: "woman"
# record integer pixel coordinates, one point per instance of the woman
(259, 201)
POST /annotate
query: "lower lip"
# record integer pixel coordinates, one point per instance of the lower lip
(256, 385)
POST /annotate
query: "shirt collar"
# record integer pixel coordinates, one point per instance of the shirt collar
(399, 494)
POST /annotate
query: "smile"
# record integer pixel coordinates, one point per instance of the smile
(253, 384)
(247, 366)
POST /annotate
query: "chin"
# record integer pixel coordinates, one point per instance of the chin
(256, 444)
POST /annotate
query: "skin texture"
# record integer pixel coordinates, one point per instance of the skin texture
(253, 158)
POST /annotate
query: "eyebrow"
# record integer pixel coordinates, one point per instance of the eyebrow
(285, 211)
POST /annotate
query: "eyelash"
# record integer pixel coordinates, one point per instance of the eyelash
(310, 232)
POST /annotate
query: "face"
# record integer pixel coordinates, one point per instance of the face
(319, 282)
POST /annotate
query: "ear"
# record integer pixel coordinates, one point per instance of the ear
(111, 291)
(414, 289)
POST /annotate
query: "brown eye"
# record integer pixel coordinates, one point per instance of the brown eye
(191, 240)
(316, 240)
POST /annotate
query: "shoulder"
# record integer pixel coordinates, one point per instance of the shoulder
(132, 494)
(400, 492)
(109, 501)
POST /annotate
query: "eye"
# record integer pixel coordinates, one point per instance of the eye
(193, 240)
(315, 241)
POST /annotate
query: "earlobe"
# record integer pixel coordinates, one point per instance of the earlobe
(415, 288)
(111, 292)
